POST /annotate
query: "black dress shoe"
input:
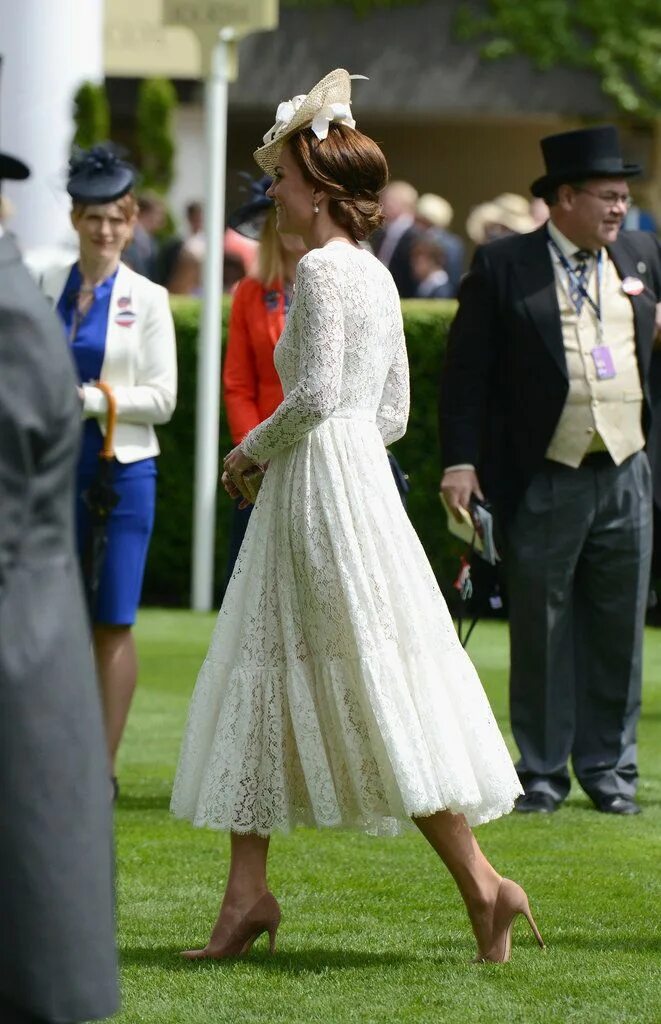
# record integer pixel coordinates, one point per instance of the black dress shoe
(536, 803)
(617, 805)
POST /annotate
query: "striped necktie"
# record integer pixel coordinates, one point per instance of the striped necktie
(579, 277)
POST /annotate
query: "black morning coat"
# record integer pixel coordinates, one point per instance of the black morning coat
(504, 382)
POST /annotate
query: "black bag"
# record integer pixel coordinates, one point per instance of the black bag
(401, 478)
(479, 585)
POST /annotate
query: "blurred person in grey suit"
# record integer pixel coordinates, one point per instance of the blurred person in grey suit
(57, 948)
(392, 243)
(433, 216)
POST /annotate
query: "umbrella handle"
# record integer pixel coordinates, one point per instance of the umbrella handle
(108, 450)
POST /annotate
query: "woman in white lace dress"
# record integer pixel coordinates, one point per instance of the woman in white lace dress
(335, 692)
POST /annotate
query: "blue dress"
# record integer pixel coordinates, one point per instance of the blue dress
(131, 521)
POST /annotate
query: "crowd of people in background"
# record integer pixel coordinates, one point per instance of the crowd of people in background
(416, 243)
(425, 257)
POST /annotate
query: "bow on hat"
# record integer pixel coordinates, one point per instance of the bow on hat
(283, 116)
(340, 113)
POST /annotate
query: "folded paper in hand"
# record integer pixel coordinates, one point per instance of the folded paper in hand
(475, 529)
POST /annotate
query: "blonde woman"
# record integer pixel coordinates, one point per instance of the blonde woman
(121, 332)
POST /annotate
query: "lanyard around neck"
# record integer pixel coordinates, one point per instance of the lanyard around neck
(576, 283)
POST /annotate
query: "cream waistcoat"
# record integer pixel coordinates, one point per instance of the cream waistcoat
(598, 414)
(140, 361)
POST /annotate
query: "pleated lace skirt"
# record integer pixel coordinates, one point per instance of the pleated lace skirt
(335, 691)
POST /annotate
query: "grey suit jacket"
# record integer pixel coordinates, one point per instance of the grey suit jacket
(57, 950)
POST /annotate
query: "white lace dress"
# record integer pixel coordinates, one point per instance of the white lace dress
(335, 691)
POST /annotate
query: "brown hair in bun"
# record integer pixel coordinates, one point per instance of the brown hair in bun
(351, 169)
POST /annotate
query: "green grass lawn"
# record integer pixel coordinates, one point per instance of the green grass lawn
(373, 929)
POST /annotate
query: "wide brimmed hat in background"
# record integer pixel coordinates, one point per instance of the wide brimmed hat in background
(581, 154)
(12, 169)
(328, 101)
(99, 175)
(508, 210)
(435, 209)
(249, 218)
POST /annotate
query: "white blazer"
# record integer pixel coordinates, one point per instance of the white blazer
(140, 361)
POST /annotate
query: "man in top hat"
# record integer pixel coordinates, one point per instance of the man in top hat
(57, 950)
(544, 406)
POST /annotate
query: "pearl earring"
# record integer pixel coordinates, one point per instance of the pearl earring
(315, 207)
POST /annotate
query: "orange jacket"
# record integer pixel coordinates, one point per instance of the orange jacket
(251, 386)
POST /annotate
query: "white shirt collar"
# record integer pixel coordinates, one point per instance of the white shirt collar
(567, 248)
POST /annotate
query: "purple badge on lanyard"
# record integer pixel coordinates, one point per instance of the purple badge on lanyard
(603, 362)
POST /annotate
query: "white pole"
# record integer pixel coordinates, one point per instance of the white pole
(209, 341)
(49, 49)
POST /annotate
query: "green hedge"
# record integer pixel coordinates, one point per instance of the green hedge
(168, 570)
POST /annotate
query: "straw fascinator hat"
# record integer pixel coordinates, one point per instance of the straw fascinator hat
(508, 210)
(328, 101)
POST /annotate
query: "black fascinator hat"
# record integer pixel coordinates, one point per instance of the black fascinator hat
(99, 175)
(249, 219)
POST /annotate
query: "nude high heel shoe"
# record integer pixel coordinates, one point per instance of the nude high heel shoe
(510, 901)
(263, 916)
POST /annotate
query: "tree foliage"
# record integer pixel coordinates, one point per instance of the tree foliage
(157, 100)
(91, 115)
(359, 6)
(619, 40)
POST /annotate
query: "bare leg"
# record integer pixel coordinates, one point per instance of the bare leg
(478, 882)
(117, 666)
(246, 884)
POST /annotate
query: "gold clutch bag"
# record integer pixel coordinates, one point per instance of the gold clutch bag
(252, 481)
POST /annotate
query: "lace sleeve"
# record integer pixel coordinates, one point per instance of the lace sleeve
(393, 412)
(314, 397)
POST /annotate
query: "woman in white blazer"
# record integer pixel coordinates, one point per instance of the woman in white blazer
(121, 332)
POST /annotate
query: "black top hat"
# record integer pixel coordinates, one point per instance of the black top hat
(99, 175)
(12, 169)
(581, 154)
(249, 219)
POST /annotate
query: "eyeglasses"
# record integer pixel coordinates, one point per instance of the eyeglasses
(610, 198)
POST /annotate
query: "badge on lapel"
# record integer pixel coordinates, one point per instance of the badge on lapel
(632, 285)
(125, 317)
